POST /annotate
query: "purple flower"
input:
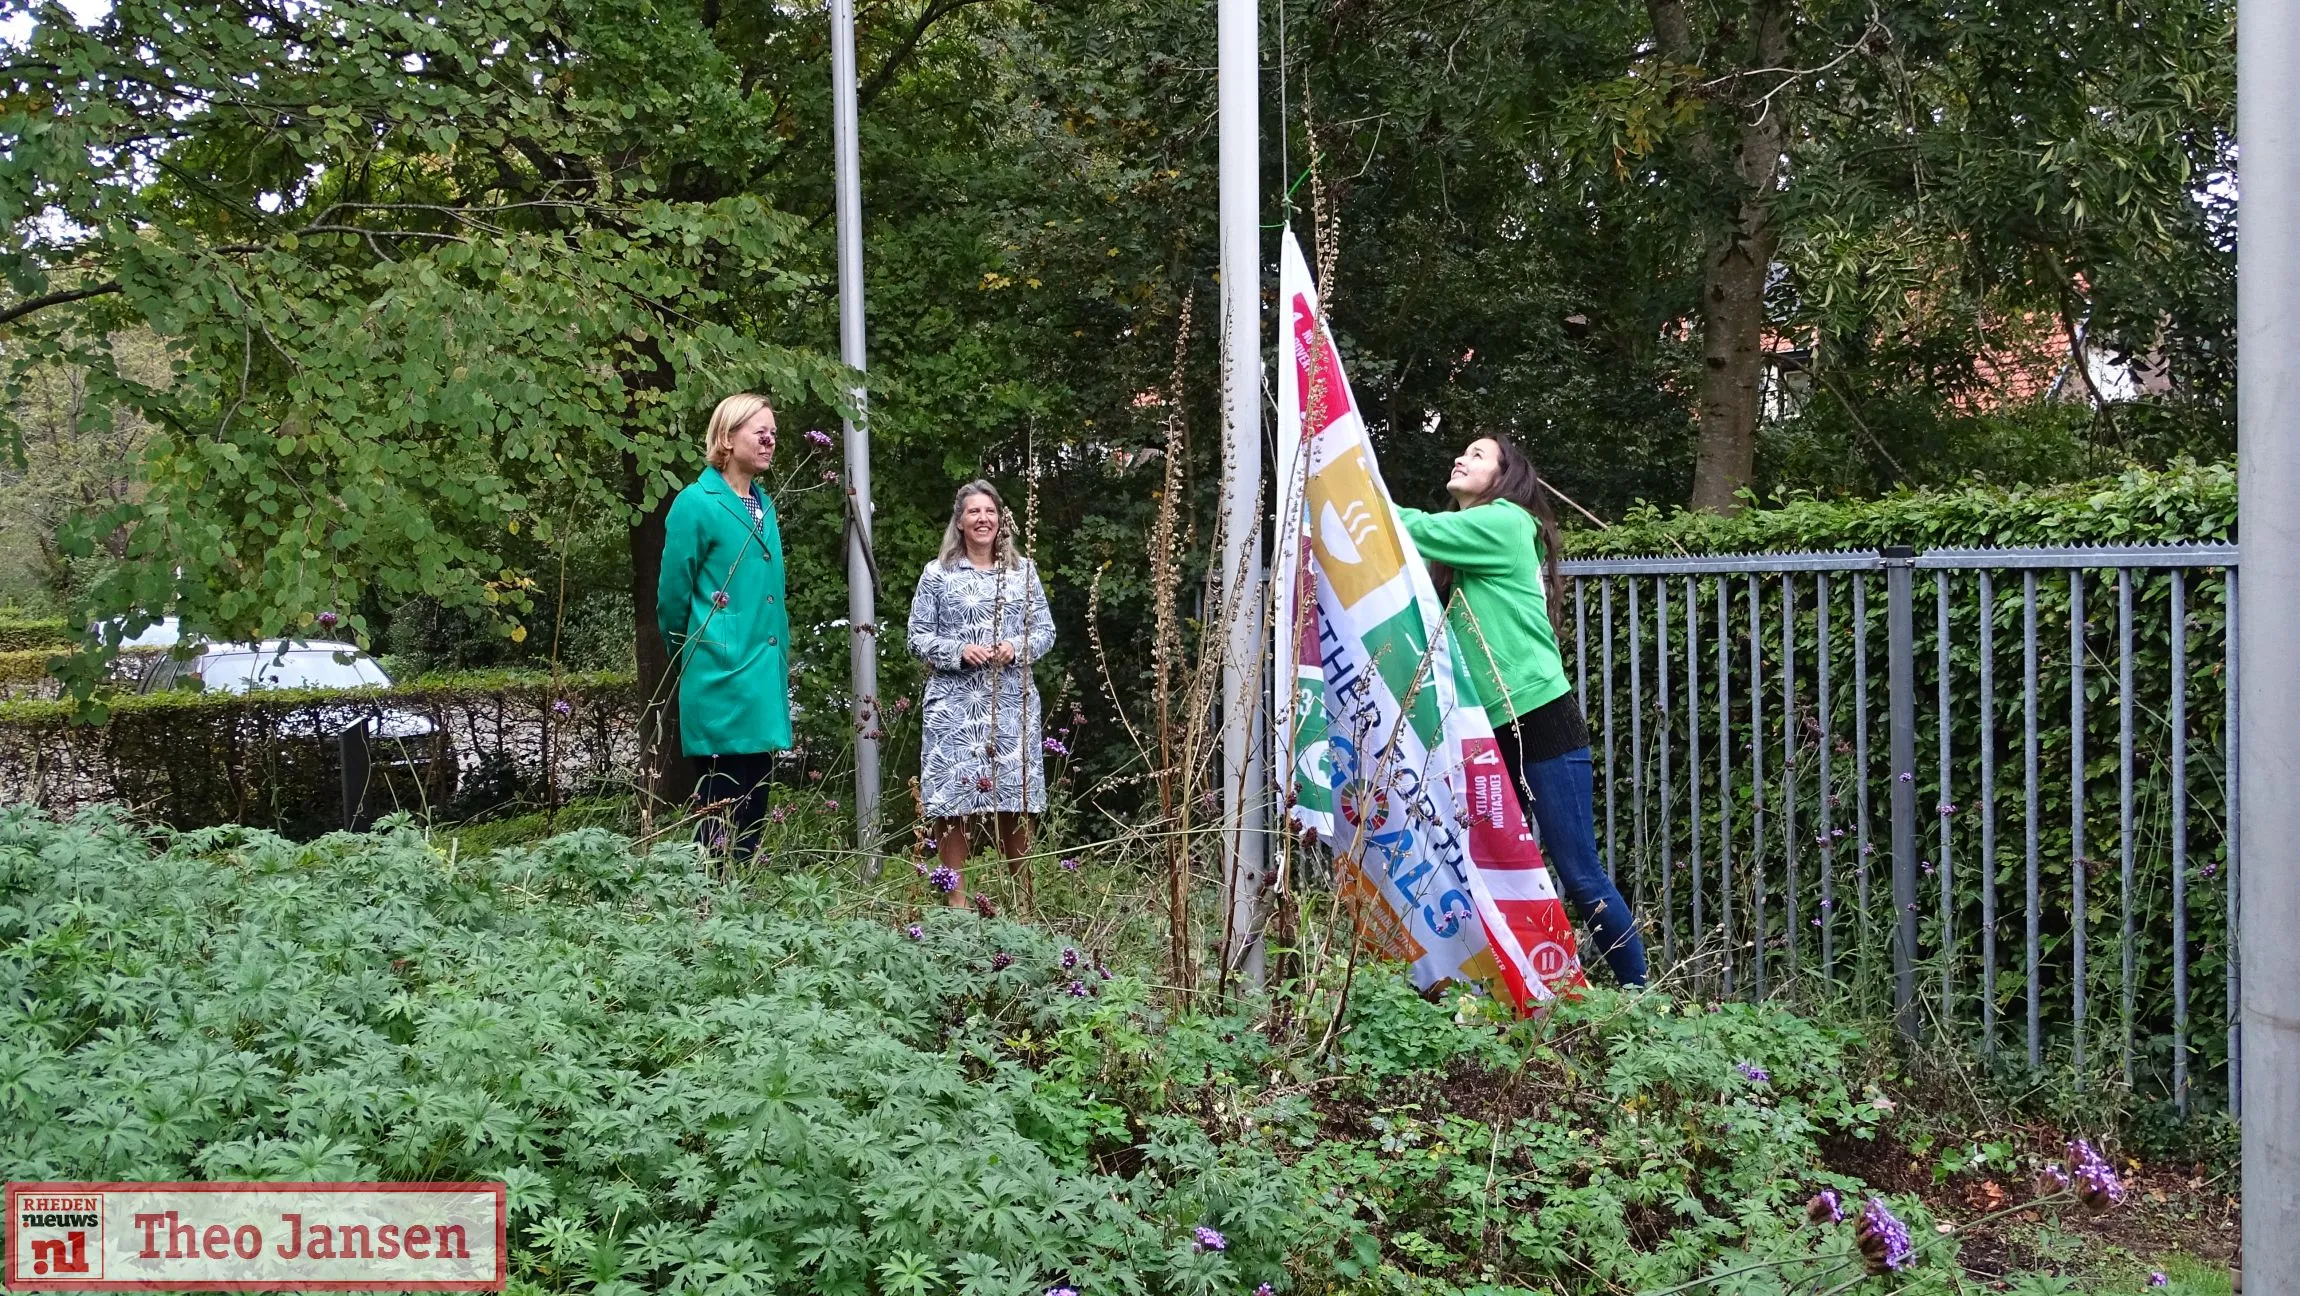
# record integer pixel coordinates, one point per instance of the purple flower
(1836, 832)
(2050, 1180)
(718, 598)
(1883, 1238)
(1069, 958)
(1753, 1073)
(1908, 777)
(562, 707)
(1078, 991)
(1062, 1291)
(819, 438)
(1826, 1207)
(779, 813)
(327, 620)
(1265, 1290)
(1054, 747)
(2210, 869)
(2156, 1278)
(915, 932)
(830, 804)
(2097, 1185)
(1947, 808)
(1209, 1240)
(943, 879)
(1001, 961)
(1070, 866)
(1103, 970)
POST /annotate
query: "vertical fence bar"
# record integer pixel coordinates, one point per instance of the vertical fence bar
(1757, 784)
(2179, 763)
(1637, 743)
(1861, 848)
(1581, 645)
(2077, 870)
(1612, 821)
(1661, 724)
(1725, 774)
(1988, 736)
(2029, 752)
(1900, 684)
(2124, 798)
(1693, 744)
(1789, 768)
(1947, 805)
(2235, 821)
(1828, 787)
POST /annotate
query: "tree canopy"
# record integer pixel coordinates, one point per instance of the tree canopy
(446, 285)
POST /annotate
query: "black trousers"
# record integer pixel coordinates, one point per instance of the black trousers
(740, 782)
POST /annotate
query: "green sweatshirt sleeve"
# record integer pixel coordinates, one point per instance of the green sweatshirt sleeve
(1489, 540)
(675, 583)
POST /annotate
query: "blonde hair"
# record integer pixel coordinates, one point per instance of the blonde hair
(726, 420)
(954, 541)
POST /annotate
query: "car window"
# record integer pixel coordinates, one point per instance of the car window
(300, 668)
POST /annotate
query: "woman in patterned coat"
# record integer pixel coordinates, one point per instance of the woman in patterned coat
(978, 620)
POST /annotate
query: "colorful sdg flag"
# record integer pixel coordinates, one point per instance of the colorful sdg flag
(1394, 762)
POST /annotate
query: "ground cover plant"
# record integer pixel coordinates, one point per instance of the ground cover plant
(796, 1083)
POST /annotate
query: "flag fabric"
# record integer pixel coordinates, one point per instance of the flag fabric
(1393, 761)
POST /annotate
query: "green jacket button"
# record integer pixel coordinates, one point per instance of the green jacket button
(771, 641)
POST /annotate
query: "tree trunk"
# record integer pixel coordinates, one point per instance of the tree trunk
(665, 777)
(1732, 360)
(1738, 262)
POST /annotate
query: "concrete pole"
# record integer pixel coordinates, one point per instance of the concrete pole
(1245, 714)
(2268, 624)
(862, 599)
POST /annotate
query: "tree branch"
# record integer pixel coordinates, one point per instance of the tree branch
(935, 12)
(11, 314)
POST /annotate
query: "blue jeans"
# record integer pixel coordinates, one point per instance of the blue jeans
(1559, 791)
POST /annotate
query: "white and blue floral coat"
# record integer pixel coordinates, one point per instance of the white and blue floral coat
(980, 744)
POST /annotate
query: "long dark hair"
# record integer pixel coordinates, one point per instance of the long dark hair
(1516, 479)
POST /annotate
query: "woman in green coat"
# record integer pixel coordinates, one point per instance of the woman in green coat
(719, 604)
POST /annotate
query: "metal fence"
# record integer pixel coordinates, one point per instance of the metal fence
(1991, 790)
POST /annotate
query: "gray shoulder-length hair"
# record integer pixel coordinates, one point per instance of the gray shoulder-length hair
(954, 543)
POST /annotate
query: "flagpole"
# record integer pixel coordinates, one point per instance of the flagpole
(2266, 617)
(862, 615)
(1245, 795)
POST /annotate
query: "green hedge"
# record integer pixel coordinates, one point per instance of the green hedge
(270, 759)
(17, 634)
(2188, 503)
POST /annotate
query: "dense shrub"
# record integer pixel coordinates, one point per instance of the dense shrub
(2182, 504)
(20, 634)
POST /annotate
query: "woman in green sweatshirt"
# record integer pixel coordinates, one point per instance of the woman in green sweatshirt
(1495, 558)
